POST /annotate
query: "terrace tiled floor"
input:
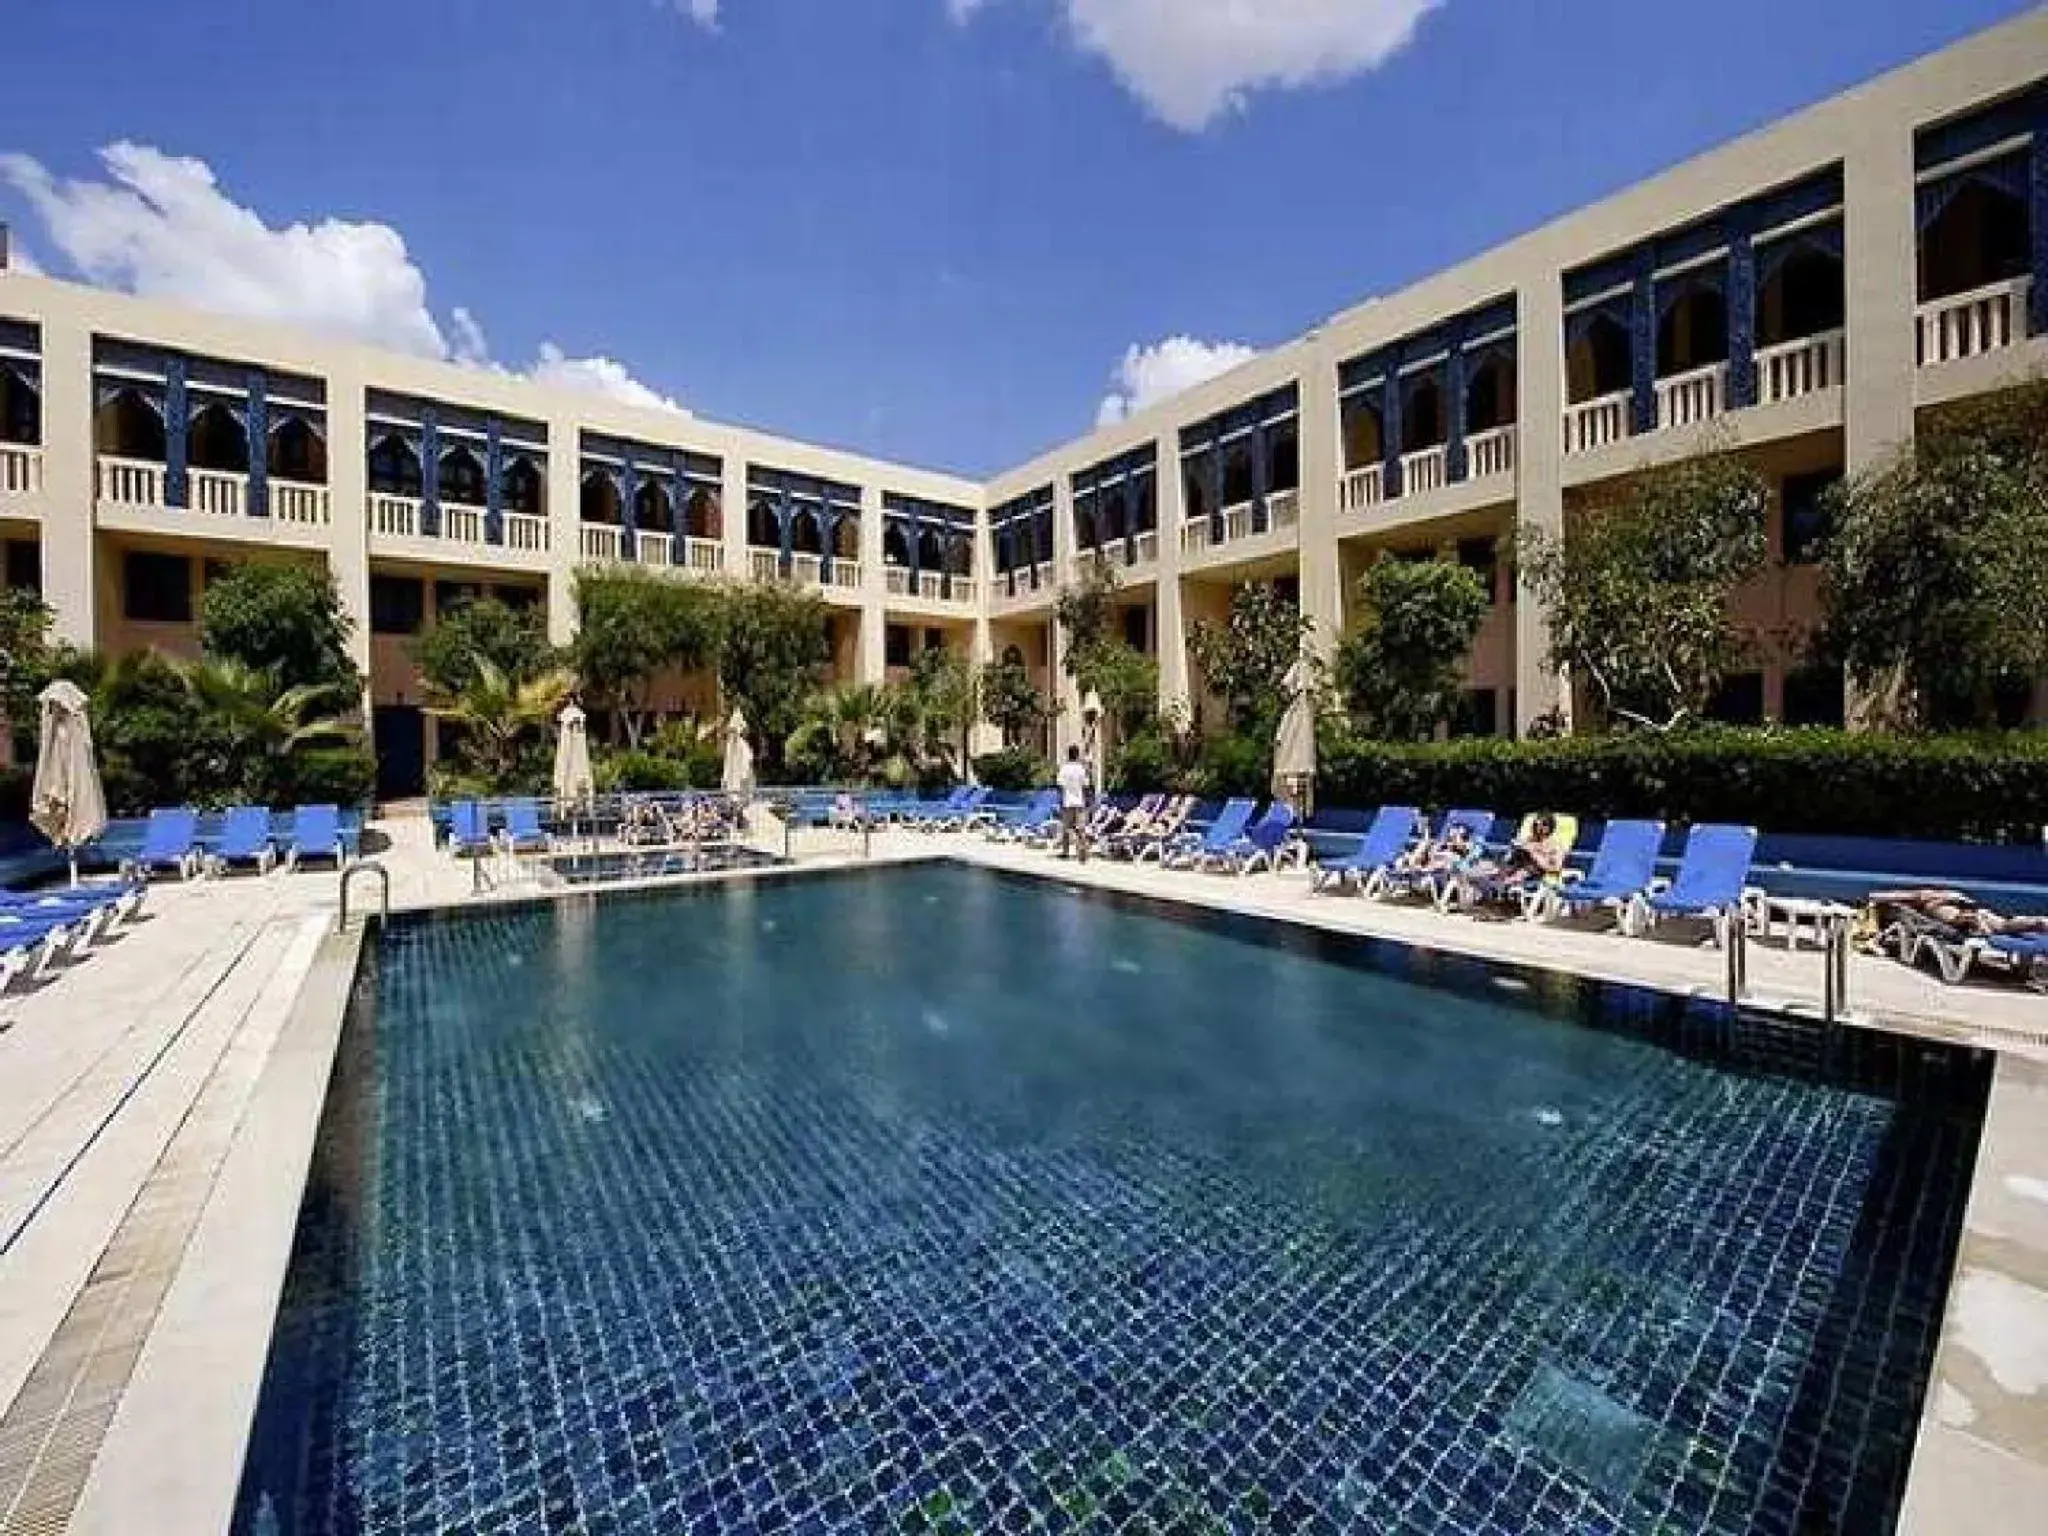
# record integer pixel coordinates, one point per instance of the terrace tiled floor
(157, 1105)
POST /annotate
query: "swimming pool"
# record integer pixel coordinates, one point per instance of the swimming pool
(607, 868)
(937, 1200)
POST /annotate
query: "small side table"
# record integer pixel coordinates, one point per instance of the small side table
(1801, 919)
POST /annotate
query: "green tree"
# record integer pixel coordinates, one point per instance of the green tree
(947, 691)
(1638, 590)
(502, 723)
(514, 640)
(1401, 672)
(1934, 584)
(280, 617)
(24, 656)
(774, 644)
(284, 743)
(1099, 659)
(154, 746)
(1245, 661)
(631, 627)
(1011, 701)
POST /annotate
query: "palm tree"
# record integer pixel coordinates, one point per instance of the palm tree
(266, 726)
(499, 718)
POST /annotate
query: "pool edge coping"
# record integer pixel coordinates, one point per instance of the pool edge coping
(171, 1461)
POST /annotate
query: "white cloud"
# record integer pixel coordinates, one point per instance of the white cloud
(159, 225)
(702, 12)
(1193, 61)
(597, 376)
(1148, 375)
(20, 258)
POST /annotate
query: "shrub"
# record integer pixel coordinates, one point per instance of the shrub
(1012, 768)
(1971, 788)
(281, 618)
(641, 771)
(1147, 764)
(1233, 764)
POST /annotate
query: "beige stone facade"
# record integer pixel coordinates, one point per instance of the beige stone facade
(1808, 292)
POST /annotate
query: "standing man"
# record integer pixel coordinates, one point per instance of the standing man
(1073, 778)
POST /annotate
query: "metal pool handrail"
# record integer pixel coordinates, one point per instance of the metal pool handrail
(370, 866)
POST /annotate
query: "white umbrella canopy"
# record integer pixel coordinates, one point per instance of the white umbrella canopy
(67, 804)
(739, 757)
(1294, 747)
(574, 782)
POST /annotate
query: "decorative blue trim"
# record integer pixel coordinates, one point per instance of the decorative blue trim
(494, 478)
(1390, 426)
(1773, 254)
(785, 521)
(1741, 320)
(1212, 468)
(2037, 212)
(1642, 344)
(1457, 390)
(256, 425)
(1995, 124)
(177, 434)
(1259, 477)
(430, 473)
(629, 518)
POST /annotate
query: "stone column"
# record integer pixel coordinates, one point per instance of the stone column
(874, 590)
(1539, 480)
(69, 481)
(1169, 621)
(1319, 432)
(565, 530)
(1880, 276)
(732, 514)
(348, 499)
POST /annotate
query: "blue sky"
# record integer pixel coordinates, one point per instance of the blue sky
(929, 229)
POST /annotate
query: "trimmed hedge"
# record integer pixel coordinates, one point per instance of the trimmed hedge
(1991, 788)
(1012, 769)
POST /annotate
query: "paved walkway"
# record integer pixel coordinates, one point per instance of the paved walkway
(158, 1104)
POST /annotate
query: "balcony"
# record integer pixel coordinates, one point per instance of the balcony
(807, 570)
(1283, 512)
(303, 506)
(1427, 469)
(1490, 453)
(1695, 396)
(140, 485)
(764, 564)
(396, 517)
(462, 523)
(654, 548)
(131, 483)
(1362, 488)
(1794, 369)
(601, 543)
(703, 557)
(844, 574)
(1971, 324)
(21, 470)
(1597, 423)
(526, 532)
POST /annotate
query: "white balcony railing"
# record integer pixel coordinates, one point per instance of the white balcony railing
(131, 482)
(462, 523)
(600, 542)
(1792, 369)
(216, 493)
(1283, 509)
(1425, 470)
(704, 556)
(21, 469)
(1597, 423)
(843, 573)
(897, 580)
(394, 516)
(807, 570)
(654, 548)
(931, 585)
(1194, 535)
(1145, 547)
(1490, 453)
(1689, 398)
(1970, 324)
(298, 504)
(1237, 522)
(1044, 570)
(764, 564)
(526, 532)
(1362, 488)
(965, 589)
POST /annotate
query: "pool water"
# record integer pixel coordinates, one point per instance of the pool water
(656, 863)
(934, 1200)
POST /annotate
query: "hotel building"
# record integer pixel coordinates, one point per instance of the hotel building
(1808, 292)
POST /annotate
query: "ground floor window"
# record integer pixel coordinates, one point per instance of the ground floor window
(1740, 701)
(397, 605)
(1815, 696)
(24, 568)
(1477, 713)
(896, 646)
(156, 588)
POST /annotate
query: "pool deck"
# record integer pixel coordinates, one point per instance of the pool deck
(158, 1106)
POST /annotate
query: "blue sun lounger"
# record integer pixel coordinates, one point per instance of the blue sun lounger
(1042, 810)
(170, 842)
(925, 815)
(1709, 883)
(316, 834)
(28, 945)
(1393, 829)
(245, 841)
(469, 828)
(88, 910)
(1478, 828)
(1260, 846)
(522, 826)
(1621, 874)
(1193, 848)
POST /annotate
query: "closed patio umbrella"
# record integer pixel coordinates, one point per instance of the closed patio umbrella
(739, 757)
(1294, 748)
(574, 782)
(66, 803)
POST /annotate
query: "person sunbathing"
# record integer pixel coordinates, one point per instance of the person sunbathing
(1955, 910)
(1536, 855)
(1451, 851)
